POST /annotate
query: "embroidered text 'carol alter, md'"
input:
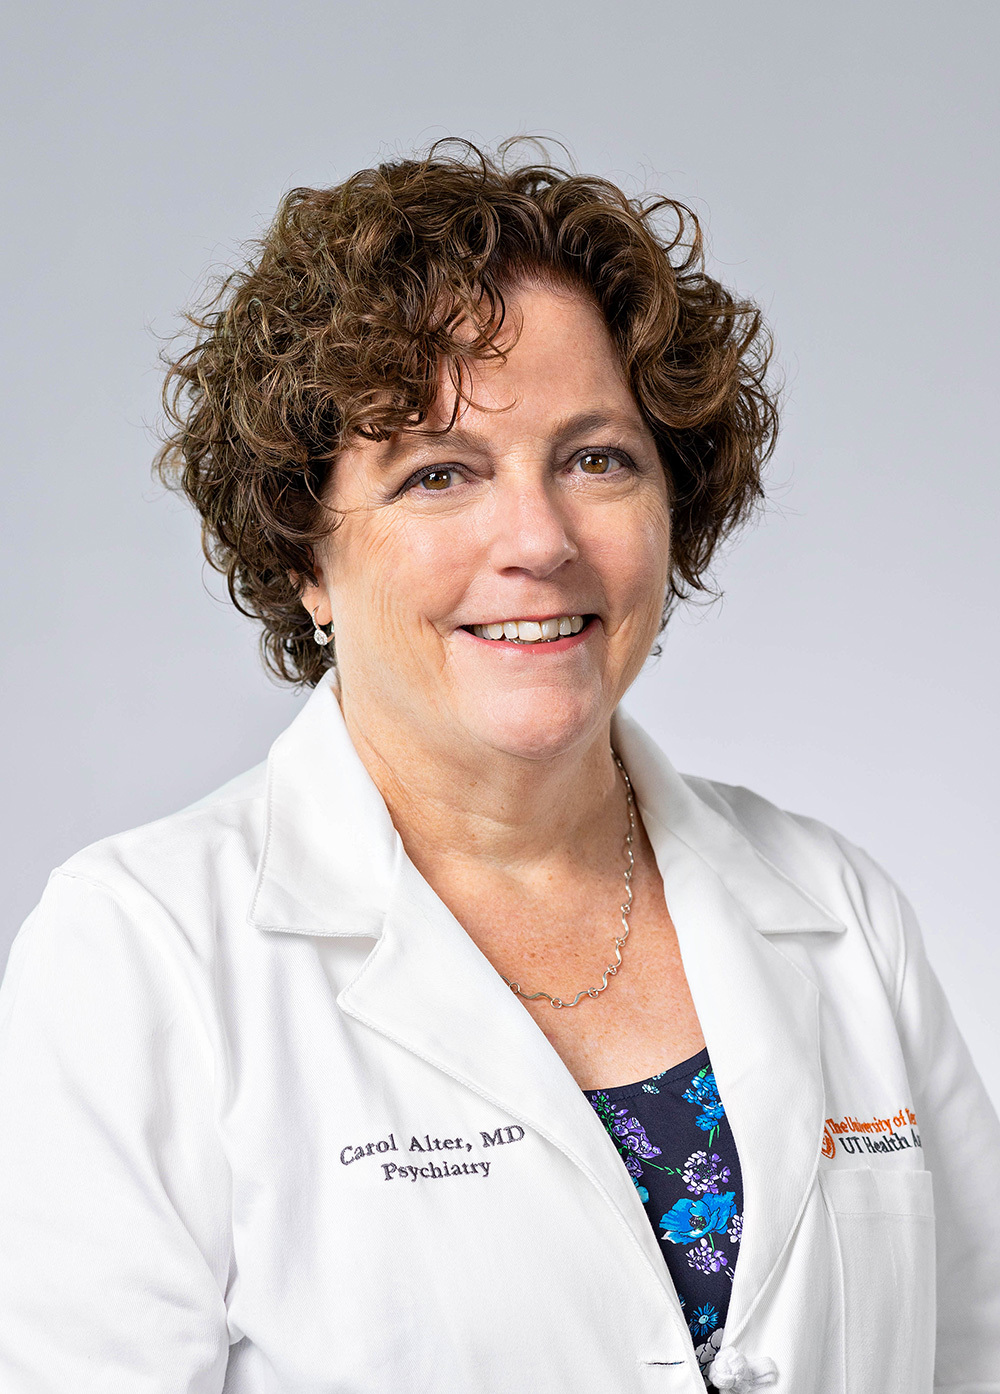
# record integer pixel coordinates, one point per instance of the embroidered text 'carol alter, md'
(432, 1170)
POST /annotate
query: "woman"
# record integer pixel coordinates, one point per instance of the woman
(465, 1046)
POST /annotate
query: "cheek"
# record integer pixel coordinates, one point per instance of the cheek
(633, 557)
(400, 569)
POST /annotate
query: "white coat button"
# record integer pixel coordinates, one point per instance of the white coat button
(736, 1373)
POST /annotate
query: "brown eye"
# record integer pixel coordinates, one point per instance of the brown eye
(595, 462)
(437, 479)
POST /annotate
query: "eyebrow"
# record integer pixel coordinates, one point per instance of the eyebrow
(413, 442)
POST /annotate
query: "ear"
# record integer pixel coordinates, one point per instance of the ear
(314, 598)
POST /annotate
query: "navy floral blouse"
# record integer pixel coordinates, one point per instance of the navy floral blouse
(674, 1138)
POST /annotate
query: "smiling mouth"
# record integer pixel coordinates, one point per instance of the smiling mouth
(530, 631)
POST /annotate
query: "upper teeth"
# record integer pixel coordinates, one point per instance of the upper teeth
(530, 631)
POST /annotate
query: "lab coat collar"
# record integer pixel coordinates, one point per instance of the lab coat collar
(331, 852)
(330, 849)
(772, 903)
(333, 865)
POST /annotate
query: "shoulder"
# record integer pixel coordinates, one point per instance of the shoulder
(116, 985)
(163, 888)
(219, 833)
(832, 870)
(800, 846)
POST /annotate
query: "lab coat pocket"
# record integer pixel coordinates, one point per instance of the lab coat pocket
(884, 1227)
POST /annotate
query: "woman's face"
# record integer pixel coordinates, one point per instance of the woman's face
(546, 501)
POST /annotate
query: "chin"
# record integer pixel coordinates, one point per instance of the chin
(536, 725)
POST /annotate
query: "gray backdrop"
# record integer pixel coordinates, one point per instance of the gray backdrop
(843, 157)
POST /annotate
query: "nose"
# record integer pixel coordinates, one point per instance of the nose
(531, 533)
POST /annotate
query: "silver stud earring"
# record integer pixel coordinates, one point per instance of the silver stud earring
(319, 634)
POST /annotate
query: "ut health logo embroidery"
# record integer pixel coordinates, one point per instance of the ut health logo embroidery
(857, 1137)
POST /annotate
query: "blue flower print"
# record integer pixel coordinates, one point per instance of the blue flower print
(704, 1319)
(690, 1219)
(704, 1091)
(673, 1136)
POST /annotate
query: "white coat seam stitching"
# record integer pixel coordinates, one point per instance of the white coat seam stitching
(831, 1215)
(903, 963)
(266, 845)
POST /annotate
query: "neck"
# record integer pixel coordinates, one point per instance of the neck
(504, 812)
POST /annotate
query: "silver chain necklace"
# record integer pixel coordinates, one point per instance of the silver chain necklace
(612, 968)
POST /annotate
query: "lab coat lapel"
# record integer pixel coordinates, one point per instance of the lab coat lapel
(759, 1012)
(333, 865)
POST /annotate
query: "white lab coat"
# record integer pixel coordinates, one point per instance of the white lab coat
(272, 1124)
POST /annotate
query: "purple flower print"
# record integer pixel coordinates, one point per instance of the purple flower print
(706, 1257)
(735, 1230)
(632, 1135)
(626, 1132)
(703, 1174)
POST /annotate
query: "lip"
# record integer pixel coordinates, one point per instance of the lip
(551, 646)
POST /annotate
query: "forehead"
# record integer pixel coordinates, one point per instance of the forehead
(557, 348)
(560, 372)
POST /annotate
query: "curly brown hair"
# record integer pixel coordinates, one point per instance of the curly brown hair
(342, 317)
